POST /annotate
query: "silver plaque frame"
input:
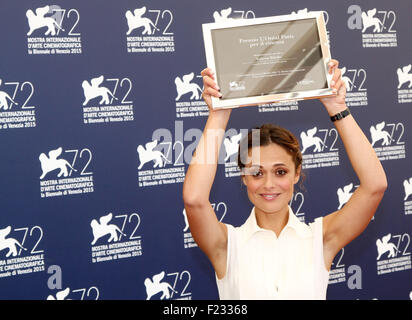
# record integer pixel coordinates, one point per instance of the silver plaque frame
(320, 38)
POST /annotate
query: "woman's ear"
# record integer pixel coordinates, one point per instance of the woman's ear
(244, 179)
(297, 174)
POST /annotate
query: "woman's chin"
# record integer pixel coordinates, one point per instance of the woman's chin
(271, 207)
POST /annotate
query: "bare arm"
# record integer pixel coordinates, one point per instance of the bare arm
(208, 232)
(344, 225)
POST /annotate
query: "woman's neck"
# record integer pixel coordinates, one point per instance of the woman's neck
(274, 221)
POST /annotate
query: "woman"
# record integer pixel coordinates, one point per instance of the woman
(274, 255)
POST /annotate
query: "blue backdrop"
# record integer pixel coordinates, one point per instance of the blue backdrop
(100, 110)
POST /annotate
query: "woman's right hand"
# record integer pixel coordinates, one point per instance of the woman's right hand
(211, 90)
(210, 87)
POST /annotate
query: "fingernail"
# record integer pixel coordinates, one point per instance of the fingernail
(334, 90)
(332, 83)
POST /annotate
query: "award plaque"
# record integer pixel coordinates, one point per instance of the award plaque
(263, 60)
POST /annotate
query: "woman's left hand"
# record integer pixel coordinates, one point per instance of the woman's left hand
(335, 103)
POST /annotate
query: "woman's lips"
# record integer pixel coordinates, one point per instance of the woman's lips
(269, 196)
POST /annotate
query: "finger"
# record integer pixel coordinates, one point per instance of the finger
(341, 87)
(205, 71)
(208, 72)
(209, 82)
(338, 86)
(212, 92)
(336, 77)
(332, 65)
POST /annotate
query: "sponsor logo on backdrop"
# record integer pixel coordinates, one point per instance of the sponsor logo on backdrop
(113, 241)
(356, 92)
(377, 26)
(319, 148)
(404, 84)
(393, 253)
(162, 159)
(21, 251)
(16, 110)
(387, 140)
(155, 164)
(169, 286)
(345, 193)
(231, 147)
(220, 209)
(150, 30)
(90, 293)
(407, 200)
(337, 272)
(148, 154)
(106, 100)
(65, 172)
(53, 30)
(230, 14)
(279, 106)
(341, 273)
(189, 102)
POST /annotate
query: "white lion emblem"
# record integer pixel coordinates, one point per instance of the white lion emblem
(136, 20)
(102, 228)
(348, 82)
(344, 194)
(51, 163)
(369, 20)
(3, 99)
(155, 286)
(384, 246)
(9, 243)
(186, 227)
(407, 184)
(148, 154)
(223, 15)
(300, 12)
(184, 86)
(61, 295)
(38, 20)
(377, 133)
(404, 76)
(232, 145)
(94, 90)
(308, 140)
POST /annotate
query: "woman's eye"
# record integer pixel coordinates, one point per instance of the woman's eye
(281, 172)
(257, 173)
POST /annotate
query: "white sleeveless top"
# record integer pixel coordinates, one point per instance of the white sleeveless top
(262, 266)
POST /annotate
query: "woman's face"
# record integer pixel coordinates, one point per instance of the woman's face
(270, 177)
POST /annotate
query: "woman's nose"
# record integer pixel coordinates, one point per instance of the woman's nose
(269, 181)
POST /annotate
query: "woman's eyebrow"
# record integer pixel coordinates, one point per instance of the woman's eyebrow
(257, 166)
(278, 164)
